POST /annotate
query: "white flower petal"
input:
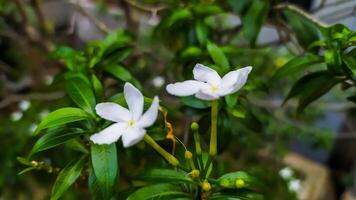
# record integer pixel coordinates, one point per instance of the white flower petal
(112, 112)
(185, 88)
(206, 95)
(150, 115)
(132, 136)
(206, 74)
(234, 80)
(134, 100)
(109, 135)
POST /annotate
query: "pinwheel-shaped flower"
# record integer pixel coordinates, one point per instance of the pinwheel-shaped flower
(129, 123)
(208, 85)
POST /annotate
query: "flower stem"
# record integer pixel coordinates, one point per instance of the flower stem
(169, 157)
(213, 134)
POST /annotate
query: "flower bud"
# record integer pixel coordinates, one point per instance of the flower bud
(206, 186)
(239, 183)
(194, 126)
(194, 173)
(225, 183)
(188, 155)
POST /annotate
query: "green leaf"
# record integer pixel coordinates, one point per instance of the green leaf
(179, 16)
(231, 100)
(194, 102)
(159, 191)
(164, 175)
(74, 60)
(67, 177)
(191, 52)
(350, 60)
(305, 31)
(62, 116)
(28, 169)
(98, 86)
(218, 57)
(24, 161)
(201, 30)
(254, 18)
(333, 60)
(119, 72)
(82, 94)
(105, 166)
(55, 138)
(298, 64)
(310, 87)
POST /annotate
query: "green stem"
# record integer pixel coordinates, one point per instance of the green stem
(213, 134)
(169, 157)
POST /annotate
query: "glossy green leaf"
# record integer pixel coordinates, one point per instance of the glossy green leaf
(191, 53)
(28, 169)
(164, 175)
(73, 59)
(310, 87)
(82, 94)
(159, 191)
(62, 116)
(194, 102)
(253, 20)
(350, 60)
(119, 72)
(105, 166)
(179, 16)
(298, 64)
(333, 60)
(231, 100)
(67, 177)
(305, 31)
(218, 57)
(55, 138)
(201, 30)
(98, 86)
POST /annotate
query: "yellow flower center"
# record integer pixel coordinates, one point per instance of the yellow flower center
(131, 123)
(214, 88)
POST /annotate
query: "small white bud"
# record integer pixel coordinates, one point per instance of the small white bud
(16, 116)
(24, 105)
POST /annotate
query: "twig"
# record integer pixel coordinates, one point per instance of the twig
(99, 24)
(36, 5)
(34, 96)
(145, 8)
(301, 12)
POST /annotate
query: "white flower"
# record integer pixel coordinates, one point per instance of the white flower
(129, 123)
(24, 105)
(16, 116)
(286, 173)
(294, 185)
(158, 81)
(208, 85)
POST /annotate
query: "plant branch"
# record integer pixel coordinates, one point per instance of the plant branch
(34, 96)
(99, 24)
(301, 12)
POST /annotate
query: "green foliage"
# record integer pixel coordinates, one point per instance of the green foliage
(105, 168)
(164, 175)
(55, 137)
(62, 116)
(67, 177)
(164, 191)
(82, 94)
